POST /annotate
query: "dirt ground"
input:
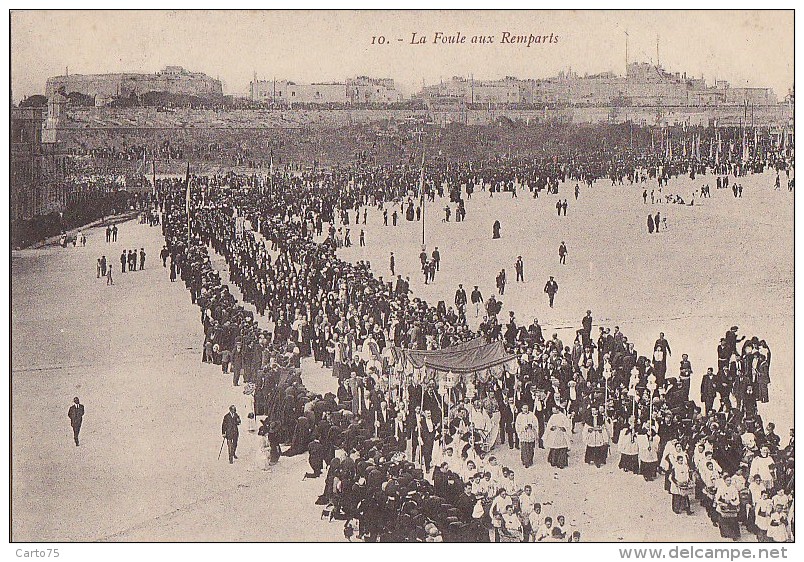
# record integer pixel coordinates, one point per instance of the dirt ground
(721, 262)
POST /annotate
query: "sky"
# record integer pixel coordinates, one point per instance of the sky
(744, 47)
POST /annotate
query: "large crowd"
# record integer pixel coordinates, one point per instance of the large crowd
(412, 458)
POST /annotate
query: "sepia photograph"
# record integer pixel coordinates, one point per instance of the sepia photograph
(229, 321)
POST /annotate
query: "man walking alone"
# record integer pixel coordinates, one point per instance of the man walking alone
(76, 415)
(520, 270)
(551, 288)
(231, 432)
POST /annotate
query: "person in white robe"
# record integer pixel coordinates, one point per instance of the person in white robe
(596, 438)
(763, 508)
(557, 438)
(763, 465)
(648, 445)
(727, 502)
(682, 484)
(777, 525)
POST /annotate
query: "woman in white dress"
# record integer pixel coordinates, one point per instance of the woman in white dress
(263, 453)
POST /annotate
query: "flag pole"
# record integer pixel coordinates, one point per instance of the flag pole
(187, 195)
(271, 175)
(421, 191)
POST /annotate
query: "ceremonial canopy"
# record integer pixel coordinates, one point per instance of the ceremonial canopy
(474, 356)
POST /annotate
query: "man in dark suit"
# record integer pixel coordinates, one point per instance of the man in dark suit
(508, 413)
(460, 299)
(432, 403)
(551, 288)
(663, 344)
(732, 340)
(384, 420)
(427, 436)
(76, 415)
(535, 331)
(709, 386)
(723, 355)
(230, 431)
(477, 300)
(586, 332)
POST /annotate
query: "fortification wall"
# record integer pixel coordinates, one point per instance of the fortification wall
(151, 118)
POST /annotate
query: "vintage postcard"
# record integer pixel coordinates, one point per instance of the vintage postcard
(402, 276)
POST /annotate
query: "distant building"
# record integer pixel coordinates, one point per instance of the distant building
(105, 87)
(284, 92)
(471, 91)
(644, 85)
(756, 96)
(360, 90)
(365, 90)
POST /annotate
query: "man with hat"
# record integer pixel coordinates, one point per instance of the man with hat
(551, 288)
(427, 429)
(477, 300)
(709, 388)
(230, 431)
(586, 330)
(685, 374)
(723, 354)
(732, 340)
(460, 299)
(76, 415)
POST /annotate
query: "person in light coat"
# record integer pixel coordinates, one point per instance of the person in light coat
(648, 451)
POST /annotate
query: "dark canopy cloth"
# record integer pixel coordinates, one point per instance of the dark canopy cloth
(468, 357)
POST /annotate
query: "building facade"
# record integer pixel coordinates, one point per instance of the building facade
(471, 91)
(365, 90)
(36, 167)
(355, 91)
(284, 92)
